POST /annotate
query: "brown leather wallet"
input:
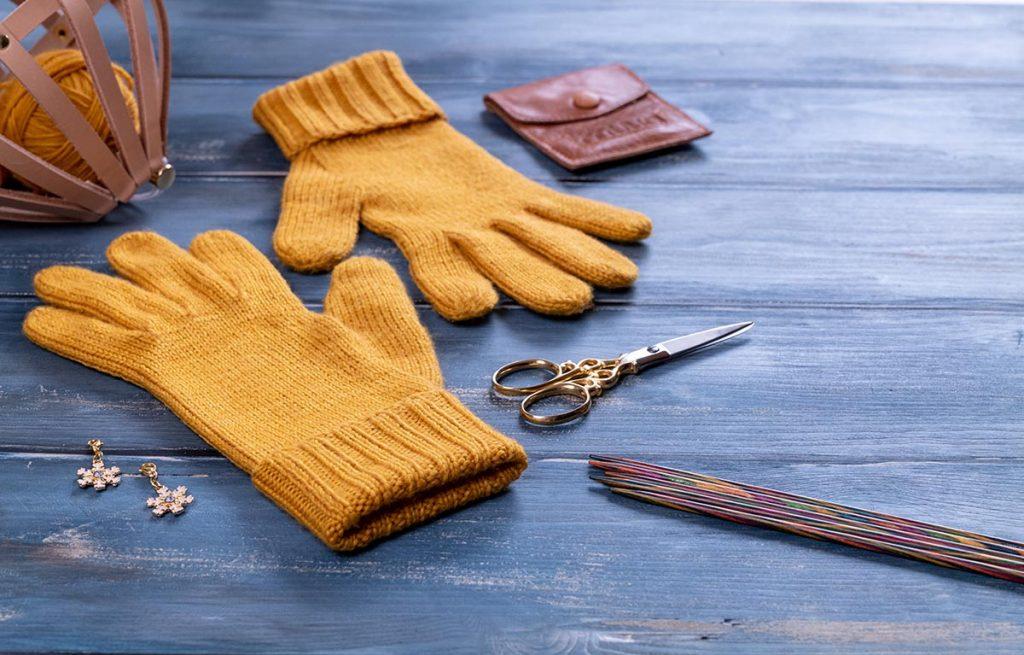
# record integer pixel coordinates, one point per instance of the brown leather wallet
(593, 116)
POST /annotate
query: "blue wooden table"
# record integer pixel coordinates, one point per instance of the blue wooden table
(861, 199)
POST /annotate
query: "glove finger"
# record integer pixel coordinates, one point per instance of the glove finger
(367, 296)
(525, 276)
(450, 283)
(154, 263)
(103, 296)
(110, 348)
(239, 262)
(319, 218)
(591, 216)
(571, 250)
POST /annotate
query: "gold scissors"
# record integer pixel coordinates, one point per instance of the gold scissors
(589, 378)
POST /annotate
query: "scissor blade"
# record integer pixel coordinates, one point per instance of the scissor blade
(691, 343)
(682, 346)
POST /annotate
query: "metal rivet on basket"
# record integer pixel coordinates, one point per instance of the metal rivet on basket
(4, 41)
(164, 178)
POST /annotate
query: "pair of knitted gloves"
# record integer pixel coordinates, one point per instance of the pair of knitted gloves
(341, 417)
(367, 146)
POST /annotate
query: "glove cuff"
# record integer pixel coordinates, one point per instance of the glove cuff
(366, 93)
(402, 466)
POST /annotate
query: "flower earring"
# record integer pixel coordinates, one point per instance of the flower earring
(99, 477)
(166, 500)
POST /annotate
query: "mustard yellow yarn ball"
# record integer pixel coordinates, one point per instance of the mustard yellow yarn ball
(27, 124)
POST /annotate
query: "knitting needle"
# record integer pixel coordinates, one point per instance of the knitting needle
(813, 520)
(896, 532)
(674, 474)
(626, 472)
(803, 530)
(618, 464)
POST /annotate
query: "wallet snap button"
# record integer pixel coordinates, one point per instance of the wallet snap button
(586, 100)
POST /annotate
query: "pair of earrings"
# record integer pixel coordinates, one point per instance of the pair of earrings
(99, 477)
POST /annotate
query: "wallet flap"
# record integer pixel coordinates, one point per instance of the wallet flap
(579, 95)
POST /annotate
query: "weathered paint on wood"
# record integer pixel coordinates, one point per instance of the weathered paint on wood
(510, 42)
(860, 199)
(744, 247)
(788, 135)
(814, 385)
(554, 565)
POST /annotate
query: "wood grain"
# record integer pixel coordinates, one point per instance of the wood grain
(860, 199)
(554, 565)
(513, 43)
(739, 247)
(806, 385)
(788, 135)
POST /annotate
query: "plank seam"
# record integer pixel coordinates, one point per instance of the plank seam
(654, 81)
(993, 308)
(567, 457)
(1007, 188)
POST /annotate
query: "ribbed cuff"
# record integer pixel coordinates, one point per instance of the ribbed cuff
(366, 93)
(425, 456)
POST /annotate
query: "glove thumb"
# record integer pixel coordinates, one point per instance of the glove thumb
(319, 217)
(367, 296)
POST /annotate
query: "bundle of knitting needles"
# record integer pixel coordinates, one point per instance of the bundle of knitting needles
(810, 517)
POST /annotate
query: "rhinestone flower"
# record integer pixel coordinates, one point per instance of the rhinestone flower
(99, 477)
(169, 500)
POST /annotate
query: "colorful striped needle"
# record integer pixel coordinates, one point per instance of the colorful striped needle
(811, 517)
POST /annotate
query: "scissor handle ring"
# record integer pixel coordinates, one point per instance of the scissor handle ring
(523, 365)
(563, 389)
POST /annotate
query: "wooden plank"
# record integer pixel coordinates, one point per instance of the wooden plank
(860, 199)
(742, 247)
(511, 43)
(554, 564)
(792, 136)
(809, 385)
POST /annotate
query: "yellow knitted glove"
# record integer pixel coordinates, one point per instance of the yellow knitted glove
(313, 406)
(366, 295)
(366, 143)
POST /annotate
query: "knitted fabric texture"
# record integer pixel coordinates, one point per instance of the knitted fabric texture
(339, 417)
(366, 144)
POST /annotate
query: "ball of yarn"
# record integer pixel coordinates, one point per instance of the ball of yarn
(27, 124)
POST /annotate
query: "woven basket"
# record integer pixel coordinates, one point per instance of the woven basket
(138, 157)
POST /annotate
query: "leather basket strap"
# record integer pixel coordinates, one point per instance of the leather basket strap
(139, 156)
(68, 120)
(97, 60)
(30, 14)
(152, 75)
(28, 207)
(148, 86)
(164, 33)
(52, 179)
(57, 35)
